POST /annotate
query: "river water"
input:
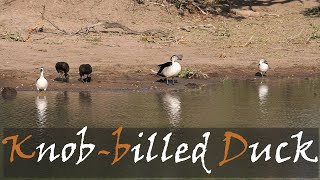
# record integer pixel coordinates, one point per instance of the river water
(259, 103)
(230, 103)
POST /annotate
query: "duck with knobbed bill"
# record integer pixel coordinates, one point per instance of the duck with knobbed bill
(62, 69)
(85, 71)
(42, 83)
(170, 69)
(263, 67)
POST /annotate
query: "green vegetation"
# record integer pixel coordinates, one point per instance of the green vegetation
(312, 12)
(15, 36)
(189, 73)
(315, 34)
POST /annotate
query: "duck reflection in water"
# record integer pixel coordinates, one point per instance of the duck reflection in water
(263, 93)
(85, 97)
(172, 105)
(42, 104)
(85, 105)
(62, 98)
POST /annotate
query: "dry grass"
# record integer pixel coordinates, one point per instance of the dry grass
(189, 73)
(312, 12)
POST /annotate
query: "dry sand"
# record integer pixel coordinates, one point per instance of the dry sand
(231, 48)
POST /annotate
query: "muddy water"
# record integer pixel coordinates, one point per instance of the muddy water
(230, 103)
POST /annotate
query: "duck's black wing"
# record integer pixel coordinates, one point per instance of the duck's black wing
(162, 66)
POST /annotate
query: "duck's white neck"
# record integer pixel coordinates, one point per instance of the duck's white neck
(41, 73)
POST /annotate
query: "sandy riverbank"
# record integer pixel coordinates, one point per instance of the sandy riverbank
(231, 47)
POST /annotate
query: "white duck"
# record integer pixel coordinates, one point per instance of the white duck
(263, 66)
(170, 69)
(41, 83)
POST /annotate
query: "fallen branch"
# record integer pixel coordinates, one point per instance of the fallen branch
(158, 4)
(207, 27)
(108, 25)
(249, 13)
(249, 42)
(46, 19)
(202, 11)
(89, 28)
(297, 35)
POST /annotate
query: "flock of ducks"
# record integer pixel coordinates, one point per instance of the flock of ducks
(62, 68)
(168, 70)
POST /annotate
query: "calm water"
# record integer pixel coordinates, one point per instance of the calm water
(248, 103)
(229, 104)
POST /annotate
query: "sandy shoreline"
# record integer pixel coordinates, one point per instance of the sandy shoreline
(135, 80)
(230, 48)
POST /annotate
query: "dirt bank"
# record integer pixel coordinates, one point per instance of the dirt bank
(226, 48)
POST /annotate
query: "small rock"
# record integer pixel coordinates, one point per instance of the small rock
(9, 93)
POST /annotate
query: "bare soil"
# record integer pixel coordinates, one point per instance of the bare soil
(229, 47)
